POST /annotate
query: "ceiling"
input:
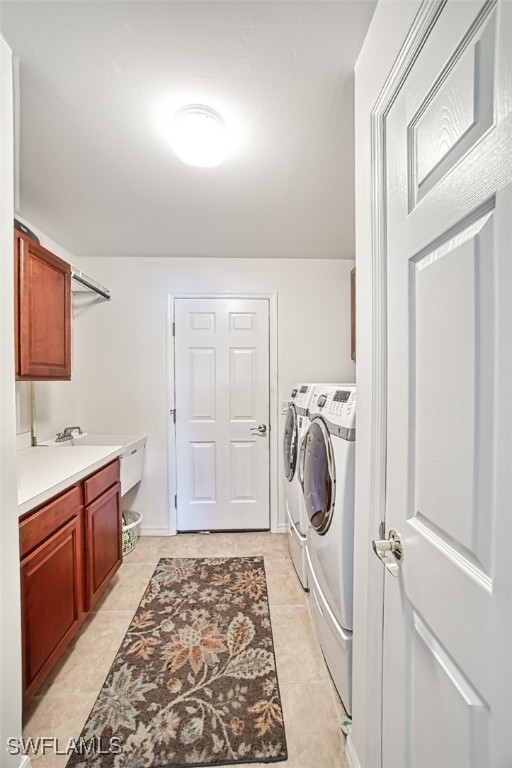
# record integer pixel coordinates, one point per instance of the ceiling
(99, 81)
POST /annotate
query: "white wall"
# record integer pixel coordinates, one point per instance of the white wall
(120, 372)
(384, 39)
(10, 623)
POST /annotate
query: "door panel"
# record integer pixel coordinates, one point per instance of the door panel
(452, 465)
(449, 331)
(204, 472)
(243, 475)
(242, 384)
(202, 400)
(455, 112)
(433, 670)
(222, 395)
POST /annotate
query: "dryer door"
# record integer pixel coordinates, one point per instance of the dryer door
(290, 439)
(301, 460)
(319, 478)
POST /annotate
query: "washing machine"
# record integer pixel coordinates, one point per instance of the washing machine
(295, 429)
(328, 485)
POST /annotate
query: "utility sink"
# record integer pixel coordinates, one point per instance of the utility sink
(132, 457)
(88, 439)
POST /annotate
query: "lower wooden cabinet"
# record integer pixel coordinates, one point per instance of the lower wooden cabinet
(104, 542)
(69, 553)
(51, 601)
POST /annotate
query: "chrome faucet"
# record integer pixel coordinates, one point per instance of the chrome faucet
(67, 434)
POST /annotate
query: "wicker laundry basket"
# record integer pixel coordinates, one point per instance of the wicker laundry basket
(131, 528)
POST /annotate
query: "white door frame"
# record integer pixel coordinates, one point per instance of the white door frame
(273, 400)
(422, 25)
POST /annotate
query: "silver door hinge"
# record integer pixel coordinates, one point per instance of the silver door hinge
(173, 414)
(175, 501)
(174, 329)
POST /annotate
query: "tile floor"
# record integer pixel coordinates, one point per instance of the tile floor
(312, 709)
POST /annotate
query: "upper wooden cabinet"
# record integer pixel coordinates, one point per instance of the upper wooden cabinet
(42, 313)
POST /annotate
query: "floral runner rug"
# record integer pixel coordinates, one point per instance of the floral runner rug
(194, 682)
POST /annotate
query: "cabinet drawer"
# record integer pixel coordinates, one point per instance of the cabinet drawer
(42, 524)
(95, 485)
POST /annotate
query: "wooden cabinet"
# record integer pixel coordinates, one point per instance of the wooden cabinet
(42, 313)
(104, 552)
(51, 599)
(69, 553)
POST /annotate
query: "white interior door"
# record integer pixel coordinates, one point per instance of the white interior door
(222, 414)
(447, 625)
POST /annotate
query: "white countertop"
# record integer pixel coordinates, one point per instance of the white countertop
(44, 472)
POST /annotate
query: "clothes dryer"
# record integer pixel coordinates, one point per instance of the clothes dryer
(295, 429)
(328, 484)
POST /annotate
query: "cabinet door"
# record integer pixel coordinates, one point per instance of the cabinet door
(51, 601)
(43, 314)
(103, 542)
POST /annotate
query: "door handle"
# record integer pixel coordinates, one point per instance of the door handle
(390, 551)
(260, 430)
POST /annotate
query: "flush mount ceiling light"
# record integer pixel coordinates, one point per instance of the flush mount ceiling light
(199, 136)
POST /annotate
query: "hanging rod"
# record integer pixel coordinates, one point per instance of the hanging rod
(88, 282)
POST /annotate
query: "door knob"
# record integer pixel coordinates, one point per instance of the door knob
(259, 430)
(390, 551)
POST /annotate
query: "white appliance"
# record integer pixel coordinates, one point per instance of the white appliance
(328, 482)
(295, 430)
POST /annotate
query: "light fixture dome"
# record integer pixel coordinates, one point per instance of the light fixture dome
(199, 136)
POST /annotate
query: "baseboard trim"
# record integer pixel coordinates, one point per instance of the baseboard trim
(351, 753)
(154, 532)
(25, 762)
(282, 528)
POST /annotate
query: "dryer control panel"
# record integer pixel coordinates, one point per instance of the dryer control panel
(337, 404)
(302, 395)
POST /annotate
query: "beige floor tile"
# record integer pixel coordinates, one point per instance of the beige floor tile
(85, 664)
(48, 760)
(313, 734)
(340, 709)
(273, 546)
(125, 591)
(199, 545)
(298, 654)
(284, 587)
(147, 550)
(60, 717)
(150, 548)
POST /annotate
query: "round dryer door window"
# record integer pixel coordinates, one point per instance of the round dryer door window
(302, 458)
(319, 480)
(290, 443)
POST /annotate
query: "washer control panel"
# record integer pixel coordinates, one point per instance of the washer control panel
(337, 404)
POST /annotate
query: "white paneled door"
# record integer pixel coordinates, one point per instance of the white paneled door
(447, 629)
(222, 414)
